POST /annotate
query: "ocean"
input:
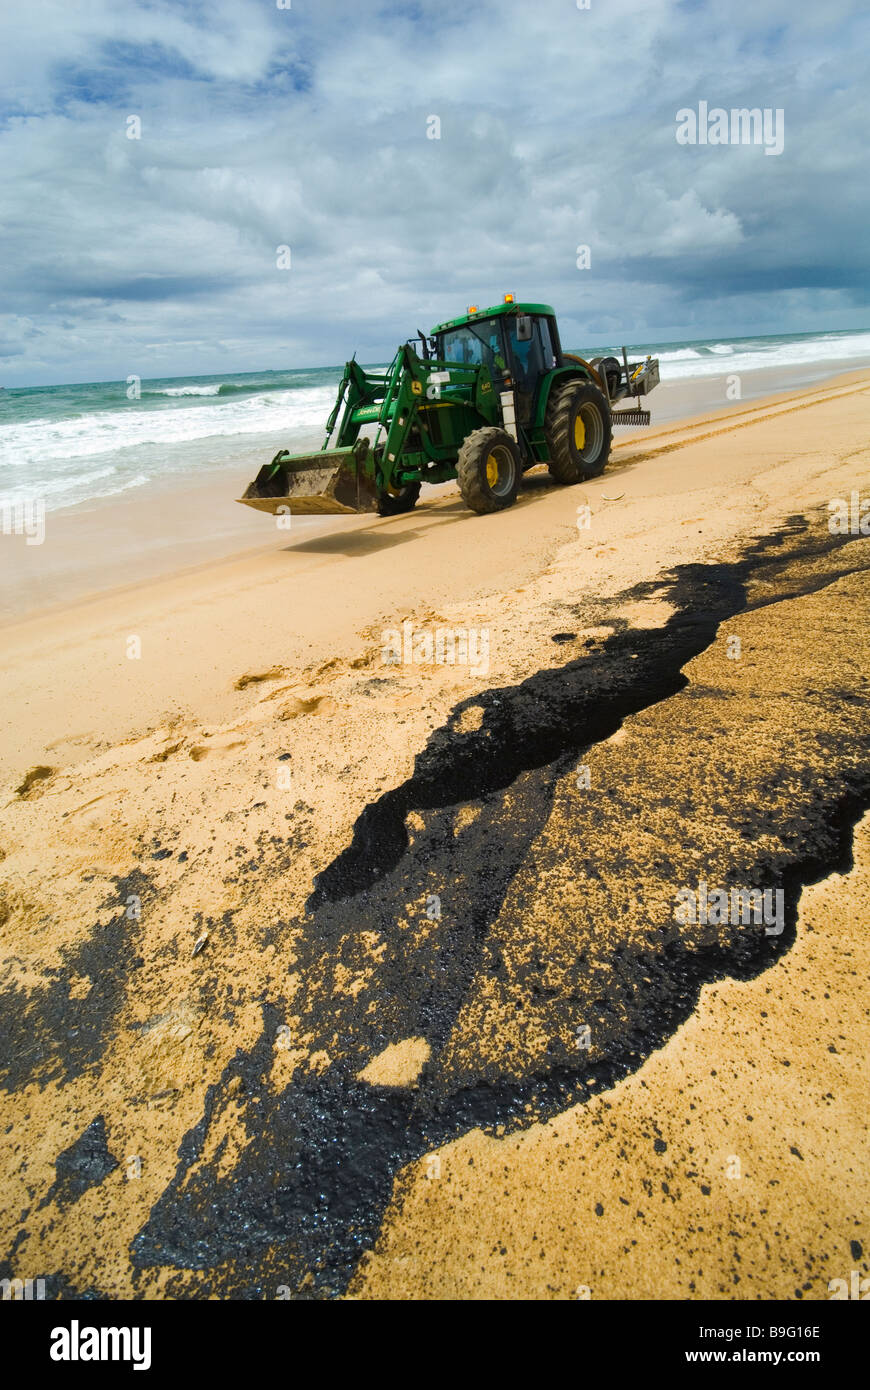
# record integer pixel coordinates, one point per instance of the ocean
(70, 445)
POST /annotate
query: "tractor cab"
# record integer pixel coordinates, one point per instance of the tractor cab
(517, 343)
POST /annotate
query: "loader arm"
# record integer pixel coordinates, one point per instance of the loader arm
(419, 422)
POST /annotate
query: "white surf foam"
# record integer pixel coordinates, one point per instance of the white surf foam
(27, 442)
(750, 358)
(184, 390)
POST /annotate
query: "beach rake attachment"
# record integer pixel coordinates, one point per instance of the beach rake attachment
(633, 415)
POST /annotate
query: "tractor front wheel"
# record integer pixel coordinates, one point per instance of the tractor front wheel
(578, 432)
(394, 503)
(488, 470)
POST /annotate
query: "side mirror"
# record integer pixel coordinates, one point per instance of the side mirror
(524, 329)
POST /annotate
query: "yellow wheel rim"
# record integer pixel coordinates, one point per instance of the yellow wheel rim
(579, 432)
(492, 470)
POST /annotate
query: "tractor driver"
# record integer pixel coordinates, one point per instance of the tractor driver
(522, 365)
(495, 353)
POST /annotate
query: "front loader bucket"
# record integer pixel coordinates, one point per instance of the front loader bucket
(332, 481)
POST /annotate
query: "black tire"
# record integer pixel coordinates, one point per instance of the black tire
(609, 368)
(488, 470)
(404, 501)
(578, 432)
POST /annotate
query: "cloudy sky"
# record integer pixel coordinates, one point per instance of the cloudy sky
(308, 127)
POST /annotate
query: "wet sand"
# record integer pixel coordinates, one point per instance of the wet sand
(370, 1078)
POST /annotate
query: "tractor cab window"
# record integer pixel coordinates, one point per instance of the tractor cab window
(480, 345)
(530, 360)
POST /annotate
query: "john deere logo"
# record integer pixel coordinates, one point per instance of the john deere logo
(487, 386)
(417, 388)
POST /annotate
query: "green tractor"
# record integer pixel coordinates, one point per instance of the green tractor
(488, 396)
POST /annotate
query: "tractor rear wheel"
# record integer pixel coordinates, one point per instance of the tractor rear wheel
(394, 503)
(488, 470)
(578, 432)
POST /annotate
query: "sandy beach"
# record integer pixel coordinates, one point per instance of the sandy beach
(351, 977)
